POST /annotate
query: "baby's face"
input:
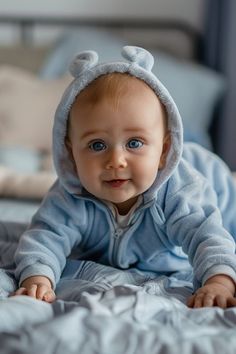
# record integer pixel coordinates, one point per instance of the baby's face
(118, 150)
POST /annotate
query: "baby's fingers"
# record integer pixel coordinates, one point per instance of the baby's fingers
(200, 300)
(20, 291)
(190, 301)
(231, 302)
(221, 301)
(208, 300)
(195, 301)
(49, 296)
(37, 291)
(45, 293)
(32, 290)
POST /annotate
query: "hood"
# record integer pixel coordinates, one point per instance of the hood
(85, 68)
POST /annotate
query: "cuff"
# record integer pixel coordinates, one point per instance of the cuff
(38, 269)
(219, 269)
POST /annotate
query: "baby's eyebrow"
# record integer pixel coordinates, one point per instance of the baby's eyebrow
(134, 130)
(98, 132)
(91, 132)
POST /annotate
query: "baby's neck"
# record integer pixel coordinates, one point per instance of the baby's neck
(123, 219)
(125, 207)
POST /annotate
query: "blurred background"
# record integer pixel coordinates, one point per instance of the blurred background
(193, 43)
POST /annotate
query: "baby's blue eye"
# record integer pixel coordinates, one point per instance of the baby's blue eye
(135, 144)
(97, 146)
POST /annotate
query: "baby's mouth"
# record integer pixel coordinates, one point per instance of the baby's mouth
(116, 183)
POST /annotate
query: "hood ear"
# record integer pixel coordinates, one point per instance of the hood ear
(138, 56)
(83, 61)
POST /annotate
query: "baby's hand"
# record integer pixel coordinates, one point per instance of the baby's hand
(38, 287)
(217, 291)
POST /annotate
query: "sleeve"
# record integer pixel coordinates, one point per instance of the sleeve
(43, 248)
(194, 222)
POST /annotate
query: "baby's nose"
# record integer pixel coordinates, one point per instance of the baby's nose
(116, 159)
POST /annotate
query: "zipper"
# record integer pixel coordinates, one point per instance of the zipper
(117, 233)
(117, 236)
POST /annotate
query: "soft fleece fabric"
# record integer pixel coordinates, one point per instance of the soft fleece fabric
(178, 223)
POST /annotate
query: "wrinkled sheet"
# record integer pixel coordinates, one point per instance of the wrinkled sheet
(100, 309)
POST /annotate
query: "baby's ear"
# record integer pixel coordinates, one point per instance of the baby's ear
(68, 144)
(165, 150)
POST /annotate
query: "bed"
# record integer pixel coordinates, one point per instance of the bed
(98, 309)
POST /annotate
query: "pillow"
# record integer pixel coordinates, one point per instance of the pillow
(196, 91)
(74, 41)
(234, 176)
(27, 186)
(195, 88)
(27, 106)
(20, 159)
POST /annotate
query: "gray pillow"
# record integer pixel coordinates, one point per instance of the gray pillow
(20, 159)
(196, 91)
(195, 88)
(72, 42)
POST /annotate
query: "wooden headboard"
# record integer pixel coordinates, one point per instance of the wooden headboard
(125, 26)
(177, 37)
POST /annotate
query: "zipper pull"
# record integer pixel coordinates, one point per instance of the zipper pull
(118, 233)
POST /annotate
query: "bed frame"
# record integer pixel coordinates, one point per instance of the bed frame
(185, 31)
(26, 26)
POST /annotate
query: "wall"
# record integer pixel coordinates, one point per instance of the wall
(189, 10)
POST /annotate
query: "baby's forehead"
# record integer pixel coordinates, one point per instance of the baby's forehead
(113, 87)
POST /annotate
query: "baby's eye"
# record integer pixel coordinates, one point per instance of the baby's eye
(134, 144)
(97, 146)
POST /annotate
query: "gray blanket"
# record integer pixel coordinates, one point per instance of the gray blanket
(100, 309)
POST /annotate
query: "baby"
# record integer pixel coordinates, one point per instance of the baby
(127, 194)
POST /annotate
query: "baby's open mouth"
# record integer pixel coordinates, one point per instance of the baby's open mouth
(115, 183)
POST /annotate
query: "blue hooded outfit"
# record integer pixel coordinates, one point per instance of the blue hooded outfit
(185, 218)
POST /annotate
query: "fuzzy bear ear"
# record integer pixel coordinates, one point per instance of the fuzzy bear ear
(139, 56)
(83, 61)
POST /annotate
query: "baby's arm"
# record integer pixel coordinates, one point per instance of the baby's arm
(39, 287)
(218, 290)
